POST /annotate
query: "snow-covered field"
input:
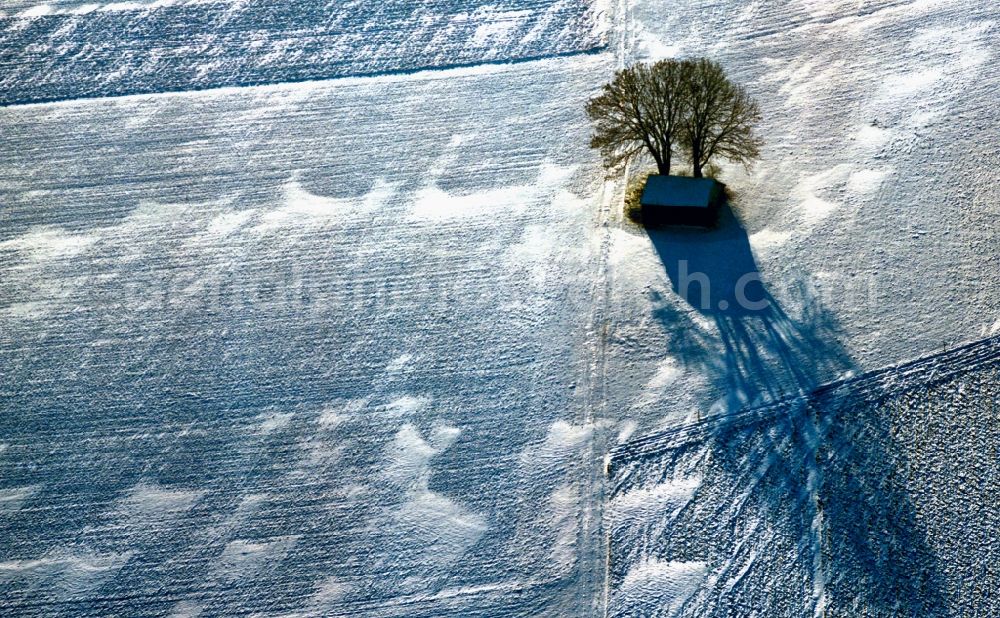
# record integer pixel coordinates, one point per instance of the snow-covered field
(317, 348)
(871, 219)
(358, 347)
(69, 49)
(870, 497)
(871, 216)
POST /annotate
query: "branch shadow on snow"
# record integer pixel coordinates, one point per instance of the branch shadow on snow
(767, 353)
(822, 474)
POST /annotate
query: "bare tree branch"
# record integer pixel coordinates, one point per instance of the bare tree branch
(638, 112)
(659, 109)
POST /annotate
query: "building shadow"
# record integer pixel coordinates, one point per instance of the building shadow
(818, 468)
(766, 354)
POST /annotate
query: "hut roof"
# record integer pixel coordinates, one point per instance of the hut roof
(679, 192)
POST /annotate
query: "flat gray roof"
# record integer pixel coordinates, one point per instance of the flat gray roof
(679, 191)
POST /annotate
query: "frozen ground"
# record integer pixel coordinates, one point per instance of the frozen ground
(872, 222)
(355, 347)
(871, 216)
(61, 50)
(870, 497)
(315, 349)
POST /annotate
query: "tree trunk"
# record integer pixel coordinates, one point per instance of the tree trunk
(656, 157)
(696, 158)
(663, 167)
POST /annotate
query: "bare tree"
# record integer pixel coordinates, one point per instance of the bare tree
(720, 117)
(639, 111)
(671, 105)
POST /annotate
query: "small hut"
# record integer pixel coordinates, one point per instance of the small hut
(679, 200)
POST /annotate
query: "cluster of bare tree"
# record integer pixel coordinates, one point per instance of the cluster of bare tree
(674, 108)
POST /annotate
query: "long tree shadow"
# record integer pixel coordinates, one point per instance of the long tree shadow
(819, 470)
(767, 353)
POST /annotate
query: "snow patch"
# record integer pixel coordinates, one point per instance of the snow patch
(330, 418)
(562, 514)
(872, 136)
(244, 558)
(148, 502)
(768, 239)
(656, 49)
(12, 499)
(968, 46)
(72, 8)
(667, 372)
(660, 588)
(302, 208)
(186, 609)
(36, 11)
(434, 204)
(498, 30)
(562, 441)
(812, 206)
(328, 592)
(431, 203)
(439, 526)
(539, 253)
(908, 84)
(275, 421)
(405, 406)
(625, 247)
(866, 181)
(408, 455)
(661, 502)
(397, 364)
(228, 222)
(627, 430)
(49, 243)
(335, 414)
(64, 574)
(804, 81)
(443, 436)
